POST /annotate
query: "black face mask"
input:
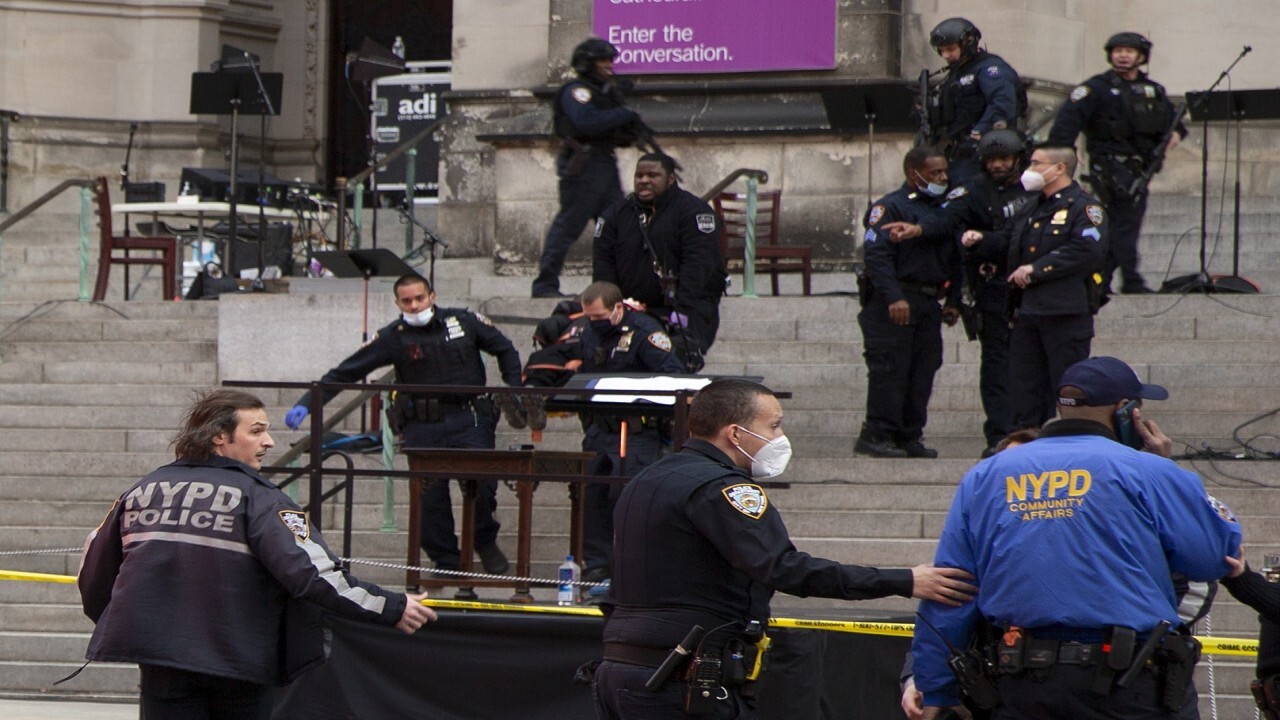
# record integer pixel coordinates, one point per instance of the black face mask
(604, 328)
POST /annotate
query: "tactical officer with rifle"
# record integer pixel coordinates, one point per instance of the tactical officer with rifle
(982, 213)
(661, 246)
(980, 93)
(1129, 125)
(592, 119)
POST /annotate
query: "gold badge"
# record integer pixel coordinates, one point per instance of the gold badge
(1059, 217)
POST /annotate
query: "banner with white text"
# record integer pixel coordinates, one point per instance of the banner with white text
(718, 36)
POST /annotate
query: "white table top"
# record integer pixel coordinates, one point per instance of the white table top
(201, 209)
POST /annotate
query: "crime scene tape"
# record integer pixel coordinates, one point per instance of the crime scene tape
(1228, 646)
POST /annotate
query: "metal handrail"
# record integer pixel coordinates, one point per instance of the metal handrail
(357, 182)
(86, 191)
(754, 177)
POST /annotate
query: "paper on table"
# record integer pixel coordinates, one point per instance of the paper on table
(661, 382)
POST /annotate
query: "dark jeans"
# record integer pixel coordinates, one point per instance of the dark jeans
(172, 694)
(582, 197)
(620, 694)
(1041, 347)
(1124, 224)
(644, 446)
(461, 429)
(901, 363)
(1065, 695)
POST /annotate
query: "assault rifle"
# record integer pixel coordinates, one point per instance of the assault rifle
(1139, 184)
(925, 134)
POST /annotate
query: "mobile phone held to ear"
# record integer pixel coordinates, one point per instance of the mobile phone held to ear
(1125, 431)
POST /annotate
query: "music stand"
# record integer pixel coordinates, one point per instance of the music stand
(234, 93)
(374, 262)
(863, 107)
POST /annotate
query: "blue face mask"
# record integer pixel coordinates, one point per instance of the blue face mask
(931, 189)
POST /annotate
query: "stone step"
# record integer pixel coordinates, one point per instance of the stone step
(114, 351)
(98, 679)
(189, 374)
(45, 330)
(110, 310)
(42, 646)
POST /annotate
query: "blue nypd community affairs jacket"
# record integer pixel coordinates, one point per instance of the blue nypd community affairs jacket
(1068, 535)
(208, 567)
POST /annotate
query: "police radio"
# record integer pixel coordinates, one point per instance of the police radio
(973, 671)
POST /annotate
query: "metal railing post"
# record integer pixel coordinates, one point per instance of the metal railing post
(357, 216)
(86, 217)
(749, 241)
(388, 463)
(410, 179)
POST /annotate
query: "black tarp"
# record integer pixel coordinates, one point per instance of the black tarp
(519, 666)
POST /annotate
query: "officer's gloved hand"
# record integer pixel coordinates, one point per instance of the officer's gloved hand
(294, 417)
(678, 319)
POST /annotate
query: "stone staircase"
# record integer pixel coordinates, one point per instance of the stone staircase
(91, 393)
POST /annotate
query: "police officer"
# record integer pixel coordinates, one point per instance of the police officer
(981, 213)
(431, 345)
(980, 93)
(212, 580)
(617, 340)
(699, 543)
(1056, 254)
(1108, 521)
(1261, 593)
(1125, 117)
(901, 321)
(591, 117)
(661, 246)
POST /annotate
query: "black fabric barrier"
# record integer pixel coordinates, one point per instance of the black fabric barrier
(520, 666)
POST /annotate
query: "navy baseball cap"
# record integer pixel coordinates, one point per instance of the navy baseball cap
(1105, 381)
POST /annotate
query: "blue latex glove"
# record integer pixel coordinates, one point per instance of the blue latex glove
(294, 417)
(678, 319)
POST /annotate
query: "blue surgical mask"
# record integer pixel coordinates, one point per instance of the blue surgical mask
(932, 189)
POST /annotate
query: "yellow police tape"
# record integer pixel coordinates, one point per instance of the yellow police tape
(1239, 647)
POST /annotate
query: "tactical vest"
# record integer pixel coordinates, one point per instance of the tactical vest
(603, 97)
(442, 353)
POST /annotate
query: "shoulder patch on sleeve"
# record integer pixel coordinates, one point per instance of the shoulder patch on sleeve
(582, 94)
(484, 320)
(296, 521)
(660, 340)
(1221, 508)
(993, 71)
(599, 226)
(747, 499)
(958, 192)
(1095, 214)
(877, 212)
(1079, 93)
(706, 222)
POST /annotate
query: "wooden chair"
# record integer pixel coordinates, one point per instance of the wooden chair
(771, 257)
(166, 246)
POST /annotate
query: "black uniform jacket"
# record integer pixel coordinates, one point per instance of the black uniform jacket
(203, 566)
(1253, 590)
(593, 114)
(932, 259)
(445, 351)
(696, 541)
(685, 234)
(638, 345)
(1118, 117)
(1064, 239)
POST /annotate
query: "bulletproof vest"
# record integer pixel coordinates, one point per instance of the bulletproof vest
(606, 97)
(1012, 201)
(961, 100)
(1136, 111)
(442, 353)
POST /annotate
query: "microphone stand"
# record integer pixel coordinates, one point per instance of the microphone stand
(1202, 282)
(258, 284)
(430, 243)
(124, 169)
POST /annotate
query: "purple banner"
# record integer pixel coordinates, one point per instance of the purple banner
(717, 36)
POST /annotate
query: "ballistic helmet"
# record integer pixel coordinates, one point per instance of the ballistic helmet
(1129, 39)
(589, 51)
(956, 31)
(1001, 142)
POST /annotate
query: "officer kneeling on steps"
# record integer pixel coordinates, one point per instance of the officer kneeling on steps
(1072, 539)
(697, 544)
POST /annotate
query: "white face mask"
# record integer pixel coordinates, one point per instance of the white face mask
(931, 189)
(421, 318)
(1032, 180)
(771, 460)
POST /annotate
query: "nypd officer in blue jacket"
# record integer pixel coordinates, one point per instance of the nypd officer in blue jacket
(617, 340)
(431, 345)
(901, 321)
(1072, 539)
(980, 93)
(592, 119)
